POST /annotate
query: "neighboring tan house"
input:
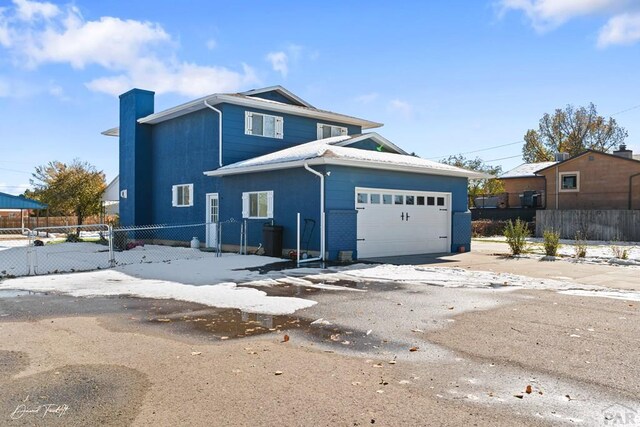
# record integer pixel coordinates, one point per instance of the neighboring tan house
(523, 187)
(594, 180)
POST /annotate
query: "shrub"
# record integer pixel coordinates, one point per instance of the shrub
(486, 228)
(580, 247)
(73, 238)
(551, 242)
(516, 234)
(619, 252)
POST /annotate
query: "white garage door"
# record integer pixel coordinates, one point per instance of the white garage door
(395, 222)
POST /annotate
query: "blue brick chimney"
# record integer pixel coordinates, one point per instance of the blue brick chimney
(135, 157)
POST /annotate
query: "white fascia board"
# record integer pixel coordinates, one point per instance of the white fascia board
(352, 163)
(284, 92)
(377, 138)
(254, 103)
(111, 132)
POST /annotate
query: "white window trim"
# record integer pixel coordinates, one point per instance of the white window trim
(569, 190)
(248, 123)
(246, 207)
(174, 195)
(343, 129)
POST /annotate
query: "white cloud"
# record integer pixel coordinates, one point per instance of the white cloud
(279, 62)
(401, 107)
(546, 15)
(184, 78)
(211, 44)
(622, 29)
(132, 53)
(367, 98)
(28, 10)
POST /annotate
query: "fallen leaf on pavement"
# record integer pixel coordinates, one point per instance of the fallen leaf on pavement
(519, 396)
(413, 349)
(278, 372)
(196, 353)
(417, 330)
(528, 389)
(286, 338)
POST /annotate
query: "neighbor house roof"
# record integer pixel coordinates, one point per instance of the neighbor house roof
(245, 99)
(591, 152)
(336, 151)
(8, 201)
(526, 170)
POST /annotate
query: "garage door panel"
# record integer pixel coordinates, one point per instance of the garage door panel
(410, 222)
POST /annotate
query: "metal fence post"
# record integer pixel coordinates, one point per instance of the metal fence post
(112, 260)
(30, 252)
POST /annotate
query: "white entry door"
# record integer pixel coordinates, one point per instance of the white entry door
(213, 212)
(396, 222)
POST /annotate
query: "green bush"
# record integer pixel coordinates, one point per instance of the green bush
(551, 242)
(516, 234)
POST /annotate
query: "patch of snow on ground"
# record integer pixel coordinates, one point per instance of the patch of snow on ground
(209, 281)
(598, 251)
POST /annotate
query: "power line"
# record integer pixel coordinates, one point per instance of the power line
(503, 158)
(482, 149)
(14, 170)
(628, 109)
(519, 142)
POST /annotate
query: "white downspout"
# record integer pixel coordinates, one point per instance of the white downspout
(219, 130)
(322, 249)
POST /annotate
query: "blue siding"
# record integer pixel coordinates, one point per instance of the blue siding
(275, 96)
(340, 194)
(294, 190)
(369, 144)
(182, 149)
(135, 148)
(238, 146)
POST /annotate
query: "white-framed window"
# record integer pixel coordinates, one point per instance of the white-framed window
(257, 205)
(182, 195)
(263, 125)
(327, 131)
(569, 181)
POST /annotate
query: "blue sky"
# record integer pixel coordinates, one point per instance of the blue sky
(445, 77)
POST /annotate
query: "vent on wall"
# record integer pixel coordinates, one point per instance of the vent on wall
(561, 157)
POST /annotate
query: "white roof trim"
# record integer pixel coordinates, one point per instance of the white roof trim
(284, 92)
(258, 103)
(349, 162)
(111, 132)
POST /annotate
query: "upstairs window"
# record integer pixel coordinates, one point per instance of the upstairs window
(263, 125)
(182, 195)
(569, 181)
(327, 131)
(257, 205)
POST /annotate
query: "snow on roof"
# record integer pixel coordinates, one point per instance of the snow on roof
(526, 169)
(326, 151)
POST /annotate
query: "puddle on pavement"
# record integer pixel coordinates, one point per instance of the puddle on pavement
(223, 324)
(11, 293)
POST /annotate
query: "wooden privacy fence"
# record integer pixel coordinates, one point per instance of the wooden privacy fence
(621, 225)
(53, 221)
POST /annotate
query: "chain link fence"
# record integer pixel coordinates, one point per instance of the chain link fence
(63, 249)
(159, 243)
(14, 252)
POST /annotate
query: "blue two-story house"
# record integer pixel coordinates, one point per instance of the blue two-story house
(265, 156)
